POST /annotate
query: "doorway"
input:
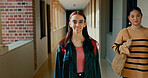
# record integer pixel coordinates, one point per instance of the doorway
(48, 29)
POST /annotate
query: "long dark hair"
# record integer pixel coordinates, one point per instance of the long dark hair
(64, 41)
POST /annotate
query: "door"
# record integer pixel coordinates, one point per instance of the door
(48, 29)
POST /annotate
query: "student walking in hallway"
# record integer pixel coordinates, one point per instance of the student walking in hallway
(77, 54)
(136, 48)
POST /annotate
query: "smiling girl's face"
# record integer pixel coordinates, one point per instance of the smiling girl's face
(135, 18)
(77, 23)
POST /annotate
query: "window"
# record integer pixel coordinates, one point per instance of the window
(94, 13)
(58, 14)
(42, 18)
(111, 16)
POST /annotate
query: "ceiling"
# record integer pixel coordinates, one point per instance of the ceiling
(74, 4)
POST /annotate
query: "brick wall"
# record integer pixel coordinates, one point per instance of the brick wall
(16, 20)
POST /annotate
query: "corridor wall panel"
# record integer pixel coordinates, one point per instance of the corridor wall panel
(118, 23)
(91, 12)
(18, 63)
(143, 5)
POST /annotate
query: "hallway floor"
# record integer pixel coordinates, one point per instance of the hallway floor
(47, 69)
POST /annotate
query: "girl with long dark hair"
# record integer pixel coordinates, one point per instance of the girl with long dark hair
(77, 53)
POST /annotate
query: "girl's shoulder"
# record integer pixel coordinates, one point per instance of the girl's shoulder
(123, 31)
(60, 49)
(93, 40)
(145, 29)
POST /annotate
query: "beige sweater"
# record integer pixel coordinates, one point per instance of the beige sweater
(136, 65)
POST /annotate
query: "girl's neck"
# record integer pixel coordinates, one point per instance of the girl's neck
(77, 37)
(136, 28)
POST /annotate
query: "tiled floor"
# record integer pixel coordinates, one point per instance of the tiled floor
(107, 71)
(47, 69)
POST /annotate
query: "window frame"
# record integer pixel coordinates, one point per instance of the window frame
(42, 19)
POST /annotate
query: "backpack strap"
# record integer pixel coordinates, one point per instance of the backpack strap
(63, 50)
(95, 46)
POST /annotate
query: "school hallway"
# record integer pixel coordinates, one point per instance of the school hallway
(30, 31)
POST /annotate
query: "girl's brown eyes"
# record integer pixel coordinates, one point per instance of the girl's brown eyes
(138, 15)
(76, 22)
(133, 16)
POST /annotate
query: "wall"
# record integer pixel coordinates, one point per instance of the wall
(143, 5)
(17, 20)
(56, 34)
(0, 29)
(91, 12)
(97, 19)
(95, 29)
(104, 22)
(41, 53)
(58, 24)
(119, 12)
(18, 63)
